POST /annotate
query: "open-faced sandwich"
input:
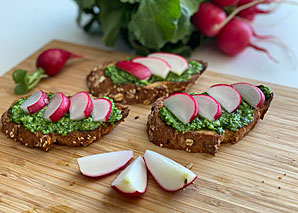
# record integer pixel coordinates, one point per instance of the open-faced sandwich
(144, 79)
(201, 122)
(46, 118)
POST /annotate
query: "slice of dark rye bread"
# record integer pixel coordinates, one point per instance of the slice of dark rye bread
(206, 141)
(101, 85)
(45, 142)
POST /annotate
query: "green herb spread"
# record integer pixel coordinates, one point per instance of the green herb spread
(232, 121)
(119, 76)
(36, 123)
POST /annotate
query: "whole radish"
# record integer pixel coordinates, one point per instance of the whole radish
(251, 12)
(225, 3)
(208, 17)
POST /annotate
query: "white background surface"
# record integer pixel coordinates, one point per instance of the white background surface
(28, 25)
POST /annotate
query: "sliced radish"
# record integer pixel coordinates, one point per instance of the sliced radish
(103, 164)
(35, 102)
(157, 66)
(133, 180)
(57, 107)
(208, 107)
(138, 70)
(183, 106)
(226, 95)
(169, 175)
(80, 106)
(250, 93)
(178, 64)
(101, 109)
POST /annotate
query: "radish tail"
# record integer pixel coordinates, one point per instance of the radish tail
(265, 51)
(76, 56)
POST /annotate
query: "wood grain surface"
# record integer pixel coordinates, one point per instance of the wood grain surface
(258, 174)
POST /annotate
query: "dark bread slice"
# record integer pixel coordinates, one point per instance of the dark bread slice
(45, 142)
(196, 141)
(101, 85)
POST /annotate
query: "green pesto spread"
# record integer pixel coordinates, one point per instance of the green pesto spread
(36, 123)
(119, 76)
(232, 121)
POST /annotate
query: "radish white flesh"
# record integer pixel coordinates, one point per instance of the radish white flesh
(169, 175)
(226, 95)
(103, 164)
(80, 106)
(138, 70)
(57, 107)
(178, 64)
(157, 66)
(183, 106)
(101, 109)
(133, 180)
(35, 102)
(250, 93)
(208, 107)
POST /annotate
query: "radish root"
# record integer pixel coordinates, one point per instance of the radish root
(265, 51)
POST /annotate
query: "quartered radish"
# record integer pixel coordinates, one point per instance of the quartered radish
(169, 175)
(250, 93)
(57, 107)
(101, 109)
(178, 64)
(35, 102)
(133, 180)
(103, 164)
(183, 106)
(157, 66)
(208, 107)
(226, 95)
(80, 106)
(138, 70)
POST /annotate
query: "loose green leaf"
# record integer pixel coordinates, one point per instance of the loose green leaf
(21, 89)
(19, 75)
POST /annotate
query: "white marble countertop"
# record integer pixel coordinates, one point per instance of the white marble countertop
(28, 25)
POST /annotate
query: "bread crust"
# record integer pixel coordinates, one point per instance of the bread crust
(45, 142)
(101, 85)
(205, 141)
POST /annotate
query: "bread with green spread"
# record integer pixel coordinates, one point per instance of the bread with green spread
(202, 135)
(125, 88)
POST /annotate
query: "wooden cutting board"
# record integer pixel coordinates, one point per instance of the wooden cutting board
(260, 173)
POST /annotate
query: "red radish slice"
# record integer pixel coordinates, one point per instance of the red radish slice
(80, 106)
(178, 64)
(132, 181)
(169, 175)
(183, 106)
(35, 102)
(226, 95)
(103, 164)
(157, 66)
(138, 70)
(57, 107)
(250, 93)
(101, 109)
(208, 107)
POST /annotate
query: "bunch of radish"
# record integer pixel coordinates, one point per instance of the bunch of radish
(233, 32)
(80, 106)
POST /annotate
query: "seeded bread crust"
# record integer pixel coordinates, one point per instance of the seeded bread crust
(205, 141)
(45, 142)
(101, 85)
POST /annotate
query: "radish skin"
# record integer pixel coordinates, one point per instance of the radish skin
(225, 3)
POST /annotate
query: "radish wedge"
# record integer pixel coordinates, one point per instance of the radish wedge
(103, 164)
(132, 181)
(101, 109)
(35, 102)
(250, 93)
(57, 107)
(157, 66)
(136, 69)
(208, 107)
(178, 64)
(80, 106)
(226, 95)
(183, 106)
(169, 175)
